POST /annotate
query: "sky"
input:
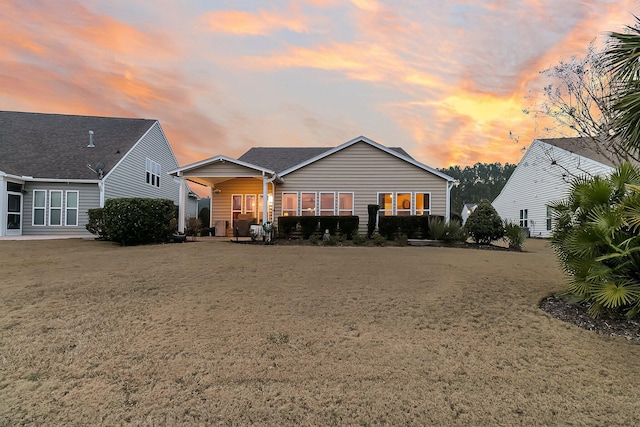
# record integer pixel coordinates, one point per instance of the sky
(445, 80)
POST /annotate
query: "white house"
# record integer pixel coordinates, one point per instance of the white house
(544, 175)
(55, 167)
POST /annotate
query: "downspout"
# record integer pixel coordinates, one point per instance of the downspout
(447, 210)
(265, 195)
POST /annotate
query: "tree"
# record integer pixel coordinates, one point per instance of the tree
(621, 59)
(478, 182)
(484, 224)
(579, 102)
(597, 240)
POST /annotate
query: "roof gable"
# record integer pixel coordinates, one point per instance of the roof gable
(582, 146)
(399, 153)
(54, 146)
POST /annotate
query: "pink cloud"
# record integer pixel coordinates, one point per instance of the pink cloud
(261, 22)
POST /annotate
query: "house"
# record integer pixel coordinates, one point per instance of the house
(267, 182)
(54, 168)
(467, 209)
(543, 176)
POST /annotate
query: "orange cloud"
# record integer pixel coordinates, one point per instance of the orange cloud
(258, 23)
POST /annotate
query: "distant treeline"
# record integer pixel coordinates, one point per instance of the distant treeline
(478, 182)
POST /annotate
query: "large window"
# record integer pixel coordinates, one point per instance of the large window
(250, 205)
(403, 204)
(524, 218)
(39, 207)
(385, 201)
(308, 204)
(236, 205)
(153, 173)
(327, 204)
(55, 207)
(423, 203)
(345, 204)
(71, 215)
(289, 204)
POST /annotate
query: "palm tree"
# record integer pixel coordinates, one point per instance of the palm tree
(622, 57)
(598, 242)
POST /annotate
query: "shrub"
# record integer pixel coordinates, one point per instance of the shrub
(372, 210)
(359, 239)
(328, 223)
(402, 240)
(331, 241)
(314, 239)
(514, 235)
(95, 225)
(136, 221)
(309, 225)
(349, 226)
(286, 225)
(389, 226)
(379, 240)
(454, 232)
(437, 228)
(205, 218)
(193, 226)
(484, 224)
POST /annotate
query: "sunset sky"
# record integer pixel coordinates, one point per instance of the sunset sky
(445, 80)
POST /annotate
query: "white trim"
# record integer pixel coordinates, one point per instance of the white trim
(34, 207)
(415, 202)
(296, 208)
(220, 159)
(315, 203)
(56, 207)
(412, 203)
(353, 201)
(336, 202)
(373, 144)
(67, 208)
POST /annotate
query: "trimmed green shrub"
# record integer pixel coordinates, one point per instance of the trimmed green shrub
(514, 235)
(286, 225)
(372, 210)
(379, 240)
(389, 226)
(309, 225)
(484, 224)
(139, 221)
(328, 223)
(359, 240)
(95, 225)
(349, 225)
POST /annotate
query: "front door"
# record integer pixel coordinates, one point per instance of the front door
(14, 213)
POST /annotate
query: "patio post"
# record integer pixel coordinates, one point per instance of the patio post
(181, 204)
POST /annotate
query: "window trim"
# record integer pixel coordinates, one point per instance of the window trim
(422, 210)
(407, 211)
(309, 211)
(549, 218)
(153, 170)
(54, 208)
(297, 203)
(325, 212)
(43, 208)
(387, 211)
(524, 218)
(67, 208)
(237, 211)
(353, 203)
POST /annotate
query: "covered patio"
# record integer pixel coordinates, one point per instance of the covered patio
(237, 190)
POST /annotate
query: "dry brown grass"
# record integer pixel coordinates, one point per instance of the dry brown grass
(210, 333)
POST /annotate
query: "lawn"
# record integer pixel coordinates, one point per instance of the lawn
(215, 333)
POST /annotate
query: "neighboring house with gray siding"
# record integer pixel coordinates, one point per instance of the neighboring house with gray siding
(543, 176)
(54, 168)
(340, 180)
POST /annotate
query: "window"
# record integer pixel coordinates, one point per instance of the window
(39, 206)
(55, 207)
(403, 204)
(14, 187)
(71, 214)
(308, 204)
(289, 204)
(524, 218)
(327, 204)
(153, 173)
(549, 218)
(385, 201)
(236, 205)
(345, 204)
(250, 205)
(423, 203)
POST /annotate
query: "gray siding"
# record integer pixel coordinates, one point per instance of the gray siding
(365, 171)
(89, 197)
(128, 178)
(536, 182)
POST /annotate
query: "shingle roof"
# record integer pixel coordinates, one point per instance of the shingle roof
(582, 146)
(282, 158)
(55, 145)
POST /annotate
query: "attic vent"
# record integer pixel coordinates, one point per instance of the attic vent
(90, 140)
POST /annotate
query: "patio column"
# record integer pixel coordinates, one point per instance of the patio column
(181, 203)
(265, 198)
